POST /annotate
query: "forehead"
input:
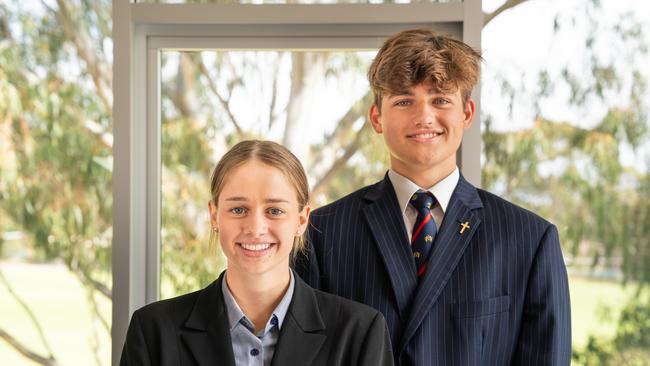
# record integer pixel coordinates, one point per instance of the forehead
(427, 88)
(256, 180)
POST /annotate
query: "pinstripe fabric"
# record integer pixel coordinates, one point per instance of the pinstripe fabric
(495, 295)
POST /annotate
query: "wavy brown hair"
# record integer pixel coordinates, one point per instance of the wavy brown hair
(416, 56)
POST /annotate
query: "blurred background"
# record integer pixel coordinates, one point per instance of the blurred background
(565, 131)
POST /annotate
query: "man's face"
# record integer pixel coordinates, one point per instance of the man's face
(422, 128)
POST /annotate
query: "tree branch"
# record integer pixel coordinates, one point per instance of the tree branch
(307, 71)
(274, 91)
(224, 103)
(103, 136)
(103, 15)
(95, 307)
(509, 4)
(79, 37)
(91, 282)
(104, 323)
(23, 350)
(17, 345)
(349, 151)
(344, 125)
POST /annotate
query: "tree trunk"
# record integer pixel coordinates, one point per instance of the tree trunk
(306, 73)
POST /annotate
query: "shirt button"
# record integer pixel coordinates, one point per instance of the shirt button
(255, 352)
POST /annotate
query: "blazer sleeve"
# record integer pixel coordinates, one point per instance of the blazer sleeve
(545, 336)
(135, 351)
(376, 349)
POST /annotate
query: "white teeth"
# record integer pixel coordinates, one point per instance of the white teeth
(255, 247)
(426, 135)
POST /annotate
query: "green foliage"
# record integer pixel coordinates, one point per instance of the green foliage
(575, 178)
(597, 352)
(590, 181)
(630, 345)
(635, 316)
(187, 261)
(52, 187)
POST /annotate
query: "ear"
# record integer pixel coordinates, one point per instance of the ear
(303, 219)
(375, 118)
(468, 111)
(212, 208)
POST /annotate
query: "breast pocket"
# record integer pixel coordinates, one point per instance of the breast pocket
(476, 309)
(478, 329)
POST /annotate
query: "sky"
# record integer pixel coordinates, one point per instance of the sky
(521, 41)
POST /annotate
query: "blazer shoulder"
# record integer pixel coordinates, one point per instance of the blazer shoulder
(177, 308)
(336, 309)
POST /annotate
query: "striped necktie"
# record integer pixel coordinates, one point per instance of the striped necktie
(424, 230)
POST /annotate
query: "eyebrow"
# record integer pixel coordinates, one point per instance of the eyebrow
(244, 199)
(400, 94)
(431, 91)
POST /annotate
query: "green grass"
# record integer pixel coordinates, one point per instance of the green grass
(60, 303)
(595, 308)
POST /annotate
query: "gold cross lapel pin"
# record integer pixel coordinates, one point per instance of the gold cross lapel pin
(463, 226)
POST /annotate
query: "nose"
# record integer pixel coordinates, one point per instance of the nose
(423, 114)
(256, 225)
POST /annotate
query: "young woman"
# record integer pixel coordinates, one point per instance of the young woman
(258, 312)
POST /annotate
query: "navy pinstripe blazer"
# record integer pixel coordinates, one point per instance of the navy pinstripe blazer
(497, 294)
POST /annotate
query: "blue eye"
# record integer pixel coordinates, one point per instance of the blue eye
(440, 101)
(274, 211)
(238, 210)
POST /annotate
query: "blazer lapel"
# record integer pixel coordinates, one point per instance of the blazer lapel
(207, 334)
(386, 223)
(449, 246)
(300, 338)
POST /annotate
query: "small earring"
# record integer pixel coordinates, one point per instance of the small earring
(215, 229)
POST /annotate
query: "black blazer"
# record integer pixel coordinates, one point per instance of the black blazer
(319, 329)
(495, 293)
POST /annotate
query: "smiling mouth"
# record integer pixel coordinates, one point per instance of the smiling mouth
(424, 136)
(256, 249)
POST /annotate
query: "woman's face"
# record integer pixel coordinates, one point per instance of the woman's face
(258, 217)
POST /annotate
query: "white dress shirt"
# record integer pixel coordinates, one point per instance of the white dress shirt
(404, 189)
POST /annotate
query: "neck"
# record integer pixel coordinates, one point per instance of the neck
(258, 295)
(424, 178)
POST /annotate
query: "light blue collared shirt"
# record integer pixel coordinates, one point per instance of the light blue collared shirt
(252, 349)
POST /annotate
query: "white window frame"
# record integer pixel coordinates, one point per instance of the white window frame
(142, 31)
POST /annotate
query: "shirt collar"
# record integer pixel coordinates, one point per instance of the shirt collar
(405, 188)
(235, 314)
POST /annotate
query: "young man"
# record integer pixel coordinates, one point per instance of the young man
(462, 276)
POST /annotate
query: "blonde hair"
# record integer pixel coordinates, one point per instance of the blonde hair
(269, 153)
(416, 56)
